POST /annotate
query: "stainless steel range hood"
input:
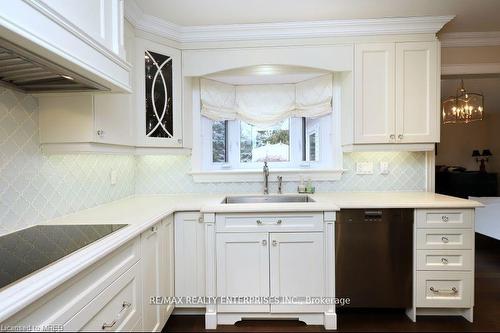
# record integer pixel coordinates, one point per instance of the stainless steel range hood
(23, 70)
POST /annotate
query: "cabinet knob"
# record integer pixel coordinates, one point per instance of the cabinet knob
(400, 136)
(445, 239)
(444, 261)
(392, 136)
(279, 222)
(264, 242)
(275, 242)
(259, 222)
(444, 218)
(179, 141)
(100, 133)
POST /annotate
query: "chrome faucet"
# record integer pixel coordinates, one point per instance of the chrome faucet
(280, 183)
(265, 170)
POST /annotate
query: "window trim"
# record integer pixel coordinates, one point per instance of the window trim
(201, 174)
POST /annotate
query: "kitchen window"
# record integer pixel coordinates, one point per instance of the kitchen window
(290, 126)
(291, 143)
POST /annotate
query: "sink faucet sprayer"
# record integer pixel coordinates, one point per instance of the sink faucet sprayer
(265, 170)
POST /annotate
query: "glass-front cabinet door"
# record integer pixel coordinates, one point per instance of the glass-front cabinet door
(158, 95)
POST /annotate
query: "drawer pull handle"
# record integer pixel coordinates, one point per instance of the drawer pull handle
(445, 239)
(452, 291)
(275, 242)
(259, 222)
(445, 218)
(125, 306)
(444, 261)
(279, 222)
(264, 242)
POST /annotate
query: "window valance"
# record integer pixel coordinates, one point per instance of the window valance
(266, 104)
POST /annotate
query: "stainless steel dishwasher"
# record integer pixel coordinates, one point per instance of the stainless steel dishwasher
(373, 257)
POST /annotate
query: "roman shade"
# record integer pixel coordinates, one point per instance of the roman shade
(266, 104)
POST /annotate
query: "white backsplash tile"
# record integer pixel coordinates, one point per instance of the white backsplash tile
(170, 174)
(35, 187)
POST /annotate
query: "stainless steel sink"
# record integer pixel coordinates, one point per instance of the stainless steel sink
(266, 199)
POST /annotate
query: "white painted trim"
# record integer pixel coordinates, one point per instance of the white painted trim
(161, 151)
(101, 148)
(89, 148)
(430, 171)
(470, 69)
(263, 31)
(388, 147)
(470, 39)
(232, 176)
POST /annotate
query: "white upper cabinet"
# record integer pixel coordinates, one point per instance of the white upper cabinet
(396, 93)
(158, 95)
(417, 95)
(83, 37)
(374, 67)
(67, 120)
(100, 19)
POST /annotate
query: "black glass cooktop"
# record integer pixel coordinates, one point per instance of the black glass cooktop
(28, 250)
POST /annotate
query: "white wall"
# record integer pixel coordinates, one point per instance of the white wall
(34, 187)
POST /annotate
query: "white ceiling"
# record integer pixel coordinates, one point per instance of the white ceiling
(471, 15)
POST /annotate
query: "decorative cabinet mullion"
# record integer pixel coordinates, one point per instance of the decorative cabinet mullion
(158, 95)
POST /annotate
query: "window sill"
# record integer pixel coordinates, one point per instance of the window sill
(245, 176)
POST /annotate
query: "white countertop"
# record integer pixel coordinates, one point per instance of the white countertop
(142, 212)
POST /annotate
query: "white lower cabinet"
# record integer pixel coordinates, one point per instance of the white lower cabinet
(243, 269)
(157, 272)
(444, 262)
(117, 308)
(189, 256)
(114, 293)
(297, 269)
(282, 271)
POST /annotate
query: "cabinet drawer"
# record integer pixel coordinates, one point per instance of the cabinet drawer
(444, 289)
(444, 260)
(440, 239)
(444, 218)
(117, 308)
(264, 222)
(61, 304)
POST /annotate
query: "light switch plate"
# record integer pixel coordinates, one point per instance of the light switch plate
(384, 168)
(364, 168)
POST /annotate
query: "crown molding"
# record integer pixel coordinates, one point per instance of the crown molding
(268, 31)
(470, 39)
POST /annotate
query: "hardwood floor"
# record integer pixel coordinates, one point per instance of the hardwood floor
(486, 310)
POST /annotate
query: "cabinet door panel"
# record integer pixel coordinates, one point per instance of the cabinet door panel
(242, 269)
(152, 258)
(297, 269)
(113, 116)
(167, 269)
(374, 93)
(189, 255)
(417, 102)
(159, 116)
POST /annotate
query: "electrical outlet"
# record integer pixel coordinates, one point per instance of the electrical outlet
(364, 168)
(384, 168)
(113, 177)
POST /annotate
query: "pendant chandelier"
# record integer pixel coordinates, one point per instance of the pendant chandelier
(465, 107)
